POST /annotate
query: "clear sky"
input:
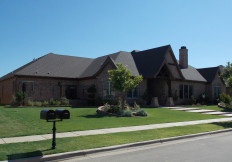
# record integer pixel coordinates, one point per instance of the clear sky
(92, 28)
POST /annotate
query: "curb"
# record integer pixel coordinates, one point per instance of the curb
(67, 155)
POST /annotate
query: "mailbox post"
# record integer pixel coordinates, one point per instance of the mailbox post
(54, 116)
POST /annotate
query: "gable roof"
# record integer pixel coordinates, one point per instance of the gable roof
(209, 73)
(147, 63)
(120, 57)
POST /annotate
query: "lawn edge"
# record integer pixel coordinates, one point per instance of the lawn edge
(71, 154)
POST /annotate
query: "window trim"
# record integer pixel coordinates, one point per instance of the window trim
(132, 96)
(183, 89)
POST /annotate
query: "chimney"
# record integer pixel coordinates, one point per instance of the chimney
(183, 57)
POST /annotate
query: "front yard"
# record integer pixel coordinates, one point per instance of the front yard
(39, 148)
(26, 121)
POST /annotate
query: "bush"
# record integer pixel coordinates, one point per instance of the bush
(114, 109)
(30, 103)
(136, 106)
(225, 98)
(45, 103)
(193, 99)
(65, 101)
(126, 113)
(141, 112)
(147, 97)
(20, 96)
(203, 98)
(38, 103)
(57, 102)
(52, 101)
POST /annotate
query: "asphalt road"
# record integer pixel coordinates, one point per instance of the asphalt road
(210, 148)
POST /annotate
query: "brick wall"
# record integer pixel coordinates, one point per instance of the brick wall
(7, 90)
(198, 89)
(46, 88)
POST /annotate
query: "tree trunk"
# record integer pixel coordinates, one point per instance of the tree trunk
(123, 100)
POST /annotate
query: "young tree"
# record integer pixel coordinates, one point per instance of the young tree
(20, 97)
(227, 74)
(122, 80)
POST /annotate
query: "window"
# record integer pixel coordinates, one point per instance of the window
(108, 89)
(217, 90)
(133, 93)
(28, 87)
(185, 91)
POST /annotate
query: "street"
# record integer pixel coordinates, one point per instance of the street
(211, 148)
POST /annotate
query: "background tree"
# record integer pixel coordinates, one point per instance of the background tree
(227, 74)
(122, 80)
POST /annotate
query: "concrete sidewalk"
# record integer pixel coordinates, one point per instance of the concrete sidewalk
(203, 111)
(107, 131)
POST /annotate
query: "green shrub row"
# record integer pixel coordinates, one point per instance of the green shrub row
(51, 102)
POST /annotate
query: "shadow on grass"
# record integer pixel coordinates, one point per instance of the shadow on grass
(224, 124)
(13, 157)
(227, 110)
(95, 116)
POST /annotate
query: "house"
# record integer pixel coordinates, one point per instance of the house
(56, 76)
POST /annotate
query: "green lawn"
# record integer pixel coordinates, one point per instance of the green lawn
(212, 107)
(28, 149)
(26, 121)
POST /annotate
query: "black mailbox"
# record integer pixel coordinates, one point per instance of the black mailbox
(47, 114)
(62, 114)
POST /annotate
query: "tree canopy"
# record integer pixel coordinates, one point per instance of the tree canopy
(227, 74)
(122, 80)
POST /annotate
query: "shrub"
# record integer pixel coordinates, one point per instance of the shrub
(52, 101)
(38, 103)
(203, 98)
(141, 112)
(20, 96)
(225, 98)
(65, 101)
(45, 103)
(112, 109)
(30, 103)
(193, 99)
(147, 97)
(136, 106)
(57, 102)
(126, 113)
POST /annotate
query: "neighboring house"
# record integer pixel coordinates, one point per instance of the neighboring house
(56, 76)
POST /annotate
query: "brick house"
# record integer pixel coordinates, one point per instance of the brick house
(56, 76)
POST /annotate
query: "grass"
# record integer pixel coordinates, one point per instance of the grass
(26, 121)
(29, 149)
(212, 107)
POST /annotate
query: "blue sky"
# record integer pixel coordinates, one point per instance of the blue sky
(92, 28)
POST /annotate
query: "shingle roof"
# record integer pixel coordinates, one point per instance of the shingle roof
(53, 65)
(120, 57)
(209, 73)
(192, 74)
(146, 63)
